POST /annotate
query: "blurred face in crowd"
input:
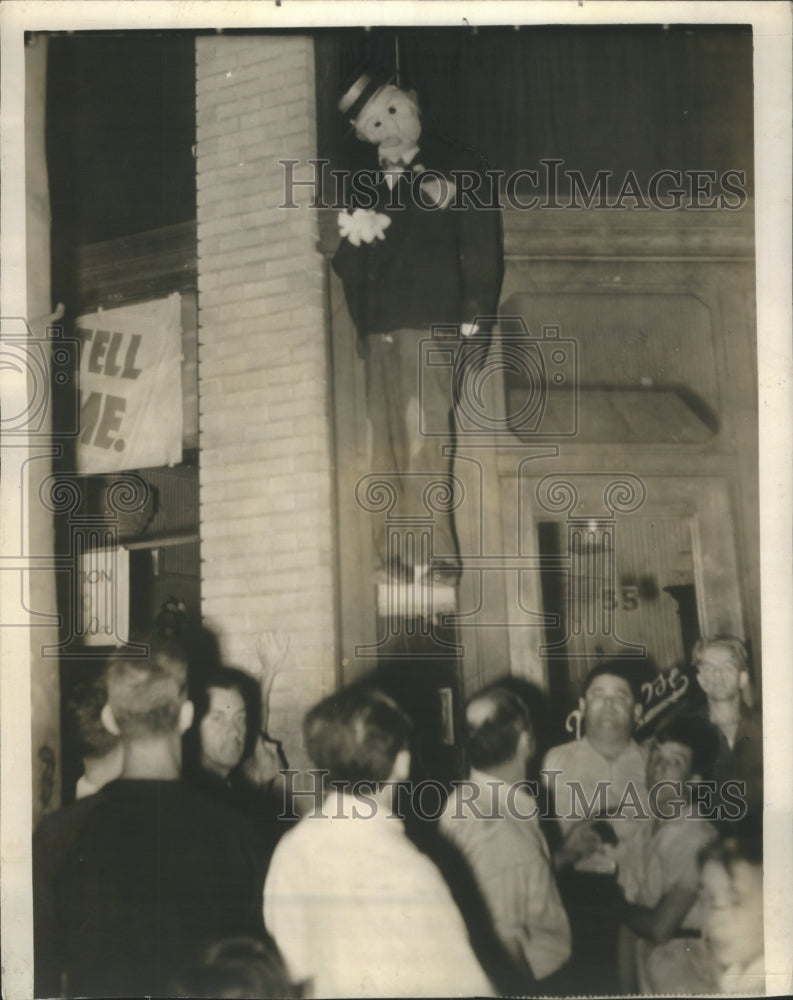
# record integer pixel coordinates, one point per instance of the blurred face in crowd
(718, 674)
(733, 922)
(609, 708)
(390, 121)
(223, 730)
(669, 761)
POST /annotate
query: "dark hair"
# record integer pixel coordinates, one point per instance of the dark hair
(492, 733)
(698, 734)
(146, 692)
(83, 718)
(239, 967)
(356, 734)
(628, 671)
(227, 679)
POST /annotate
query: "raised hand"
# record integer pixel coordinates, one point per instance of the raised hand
(271, 648)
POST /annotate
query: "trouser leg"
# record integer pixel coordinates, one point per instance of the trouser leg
(430, 430)
(410, 407)
(388, 445)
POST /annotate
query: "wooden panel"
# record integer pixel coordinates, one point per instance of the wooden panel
(356, 561)
(147, 265)
(189, 370)
(181, 560)
(176, 508)
(629, 339)
(603, 234)
(639, 417)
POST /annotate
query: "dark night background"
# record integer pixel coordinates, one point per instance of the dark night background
(121, 107)
(120, 131)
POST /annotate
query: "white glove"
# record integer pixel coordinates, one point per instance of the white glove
(364, 225)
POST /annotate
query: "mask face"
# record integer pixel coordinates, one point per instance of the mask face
(390, 121)
(223, 729)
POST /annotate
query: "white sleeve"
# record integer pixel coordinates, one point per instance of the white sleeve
(285, 914)
(435, 955)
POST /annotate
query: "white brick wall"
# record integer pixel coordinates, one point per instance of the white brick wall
(266, 530)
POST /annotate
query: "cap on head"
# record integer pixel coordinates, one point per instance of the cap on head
(358, 95)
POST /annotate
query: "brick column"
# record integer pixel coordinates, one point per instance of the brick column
(266, 487)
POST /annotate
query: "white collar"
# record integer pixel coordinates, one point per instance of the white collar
(405, 159)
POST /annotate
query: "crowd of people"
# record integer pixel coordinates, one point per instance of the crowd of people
(182, 868)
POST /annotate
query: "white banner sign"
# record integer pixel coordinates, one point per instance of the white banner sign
(104, 593)
(131, 387)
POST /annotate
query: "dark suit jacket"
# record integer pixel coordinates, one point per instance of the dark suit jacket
(132, 883)
(435, 265)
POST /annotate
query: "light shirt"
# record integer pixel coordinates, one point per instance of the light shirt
(666, 858)
(747, 980)
(357, 909)
(685, 966)
(84, 788)
(509, 858)
(578, 761)
(393, 168)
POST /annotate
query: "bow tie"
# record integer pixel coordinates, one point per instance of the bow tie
(399, 164)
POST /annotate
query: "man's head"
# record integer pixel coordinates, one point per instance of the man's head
(732, 896)
(147, 696)
(609, 702)
(223, 729)
(227, 719)
(498, 729)
(233, 968)
(384, 115)
(722, 667)
(359, 734)
(684, 749)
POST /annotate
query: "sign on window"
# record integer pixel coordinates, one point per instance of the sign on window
(130, 387)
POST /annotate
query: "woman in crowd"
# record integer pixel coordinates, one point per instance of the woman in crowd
(228, 752)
